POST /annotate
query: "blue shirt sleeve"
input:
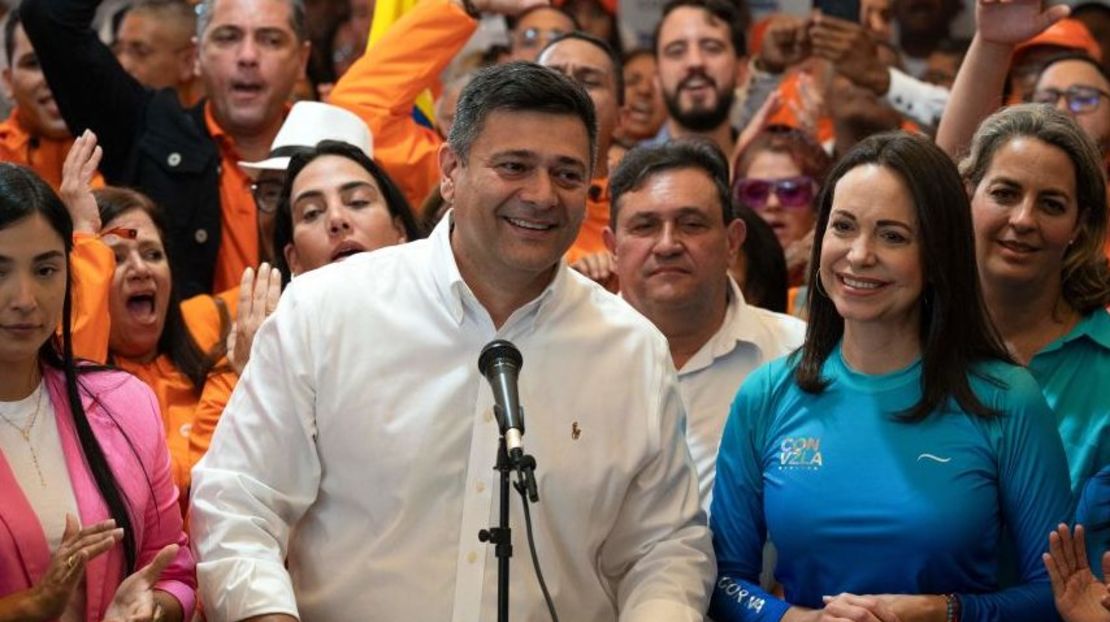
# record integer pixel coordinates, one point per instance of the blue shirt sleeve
(736, 515)
(1093, 512)
(1035, 496)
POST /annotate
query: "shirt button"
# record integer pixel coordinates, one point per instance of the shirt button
(480, 487)
(201, 236)
(471, 557)
(174, 159)
(184, 430)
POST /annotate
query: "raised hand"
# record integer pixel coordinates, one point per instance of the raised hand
(851, 49)
(134, 598)
(1080, 597)
(76, 191)
(258, 297)
(785, 43)
(1009, 22)
(67, 565)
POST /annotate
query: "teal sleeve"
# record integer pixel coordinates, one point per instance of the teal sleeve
(1035, 496)
(736, 516)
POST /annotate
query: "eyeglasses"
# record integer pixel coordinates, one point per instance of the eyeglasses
(792, 192)
(532, 37)
(267, 194)
(1081, 99)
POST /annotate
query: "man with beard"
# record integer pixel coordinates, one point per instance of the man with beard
(698, 46)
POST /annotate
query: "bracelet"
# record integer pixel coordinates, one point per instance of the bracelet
(952, 608)
(471, 10)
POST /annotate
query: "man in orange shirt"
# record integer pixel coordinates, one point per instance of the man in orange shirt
(250, 55)
(34, 135)
(590, 62)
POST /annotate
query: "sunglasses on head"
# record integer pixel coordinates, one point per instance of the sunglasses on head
(1080, 98)
(531, 37)
(792, 192)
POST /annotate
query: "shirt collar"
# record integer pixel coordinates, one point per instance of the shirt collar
(1094, 326)
(457, 296)
(740, 326)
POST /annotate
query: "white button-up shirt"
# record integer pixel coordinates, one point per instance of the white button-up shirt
(360, 443)
(749, 336)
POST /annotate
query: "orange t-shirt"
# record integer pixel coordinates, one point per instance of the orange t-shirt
(589, 240)
(43, 155)
(92, 265)
(238, 214)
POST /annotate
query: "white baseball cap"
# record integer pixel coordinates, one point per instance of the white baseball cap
(306, 125)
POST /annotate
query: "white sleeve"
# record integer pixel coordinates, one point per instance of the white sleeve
(918, 100)
(260, 474)
(659, 551)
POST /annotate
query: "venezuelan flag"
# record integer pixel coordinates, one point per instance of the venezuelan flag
(386, 13)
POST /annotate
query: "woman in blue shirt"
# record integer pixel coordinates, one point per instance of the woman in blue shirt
(885, 457)
(1039, 210)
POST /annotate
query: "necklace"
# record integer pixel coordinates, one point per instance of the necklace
(25, 432)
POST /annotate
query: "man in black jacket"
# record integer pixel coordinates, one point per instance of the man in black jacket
(250, 55)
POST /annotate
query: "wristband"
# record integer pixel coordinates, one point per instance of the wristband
(952, 608)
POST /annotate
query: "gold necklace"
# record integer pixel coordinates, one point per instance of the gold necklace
(25, 432)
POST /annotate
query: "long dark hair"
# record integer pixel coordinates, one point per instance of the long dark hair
(395, 200)
(176, 341)
(956, 331)
(23, 194)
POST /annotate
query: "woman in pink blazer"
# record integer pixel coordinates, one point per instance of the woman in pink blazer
(79, 446)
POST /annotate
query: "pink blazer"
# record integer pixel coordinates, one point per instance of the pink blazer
(123, 414)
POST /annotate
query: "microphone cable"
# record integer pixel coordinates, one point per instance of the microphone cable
(524, 501)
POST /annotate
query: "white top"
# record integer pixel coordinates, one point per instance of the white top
(51, 495)
(361, 441)
(749, 336)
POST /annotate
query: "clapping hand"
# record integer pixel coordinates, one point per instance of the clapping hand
(67, 565)
(258, 297)
(1080, 597)
(134, 599)
(76, 191)
(850, 607)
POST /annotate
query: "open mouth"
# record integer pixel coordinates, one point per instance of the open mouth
(141, 307)
(345, 250)
(246, 89)
(860, 284)
(529, 225)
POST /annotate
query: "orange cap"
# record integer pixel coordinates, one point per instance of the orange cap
(610, 6)
(1067, 33)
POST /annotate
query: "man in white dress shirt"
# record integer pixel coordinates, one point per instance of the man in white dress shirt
(673, 234)
(353, 466)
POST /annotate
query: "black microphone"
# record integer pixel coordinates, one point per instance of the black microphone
(500, 362)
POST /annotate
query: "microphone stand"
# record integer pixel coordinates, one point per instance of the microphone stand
(501, 536)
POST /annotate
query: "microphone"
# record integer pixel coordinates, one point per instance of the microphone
(500, 362)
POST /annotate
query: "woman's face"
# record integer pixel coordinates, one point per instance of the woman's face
(140, 291)
(32, 288)
(1026, 215)
(338, 210)
(776, 189)
(871, 252)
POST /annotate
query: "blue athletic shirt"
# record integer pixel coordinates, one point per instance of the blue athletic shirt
(857, 501)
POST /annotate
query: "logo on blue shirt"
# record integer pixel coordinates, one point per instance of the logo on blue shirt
(800, 452)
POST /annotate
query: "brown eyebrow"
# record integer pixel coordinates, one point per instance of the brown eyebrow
(47, 256)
